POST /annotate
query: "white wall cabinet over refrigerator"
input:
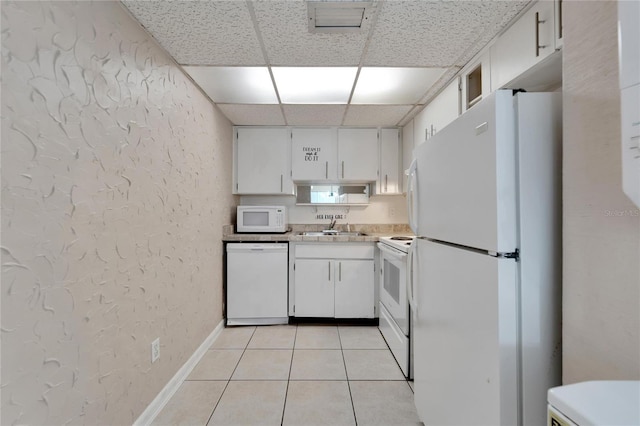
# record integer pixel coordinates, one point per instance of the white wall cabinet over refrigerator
(475, 82)
(528, 41)
(262, 161)
(390, 180)
(332, 281)
(314, 154)
(441, 111)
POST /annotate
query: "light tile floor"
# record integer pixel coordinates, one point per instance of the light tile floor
(294, 375)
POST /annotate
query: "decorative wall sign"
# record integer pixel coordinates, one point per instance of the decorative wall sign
(311, 153)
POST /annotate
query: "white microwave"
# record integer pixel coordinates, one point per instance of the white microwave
(261, 219)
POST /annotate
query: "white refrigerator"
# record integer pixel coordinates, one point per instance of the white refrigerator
(485, 202)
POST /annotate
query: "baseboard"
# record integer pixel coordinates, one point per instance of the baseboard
(153, 409)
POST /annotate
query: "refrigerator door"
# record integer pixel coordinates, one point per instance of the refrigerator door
(466, 186)
(465, 333)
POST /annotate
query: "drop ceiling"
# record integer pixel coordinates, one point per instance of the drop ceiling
(230, 47)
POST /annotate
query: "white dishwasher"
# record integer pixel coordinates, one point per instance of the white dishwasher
(257, 283)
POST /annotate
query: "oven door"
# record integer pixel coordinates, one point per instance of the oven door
(393, 285)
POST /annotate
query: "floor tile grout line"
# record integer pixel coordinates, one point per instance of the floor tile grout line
(346, 373)
(286, 391)
(229, 381)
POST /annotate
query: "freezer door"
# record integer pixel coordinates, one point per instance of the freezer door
(465, 337)
(467, 178)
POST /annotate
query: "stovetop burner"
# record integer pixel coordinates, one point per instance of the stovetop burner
(402, 238)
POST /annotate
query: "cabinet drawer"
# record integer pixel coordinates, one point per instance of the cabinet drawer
(335, 251)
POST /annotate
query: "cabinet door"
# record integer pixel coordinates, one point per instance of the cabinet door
(390, 149)
(474, 85)
(441, 111)
(314, 288)
(358, 154)
(354, 289)
(313, 154)
(524, 44)
(262, 161)
(407, 151)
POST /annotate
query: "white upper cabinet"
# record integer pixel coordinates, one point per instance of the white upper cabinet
(390, 181)
(441, 111)
(262, 161)
(528, 41)
(407, 151)
(358, 154)
(314, 154)
(475, 82)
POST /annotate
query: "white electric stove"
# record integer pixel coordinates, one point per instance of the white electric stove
(395, 292)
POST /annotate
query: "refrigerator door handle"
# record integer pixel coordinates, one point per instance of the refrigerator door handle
(412, 197)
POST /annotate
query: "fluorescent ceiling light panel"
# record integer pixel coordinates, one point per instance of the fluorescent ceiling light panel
(314, 85)
(395, 86)
(235, 85)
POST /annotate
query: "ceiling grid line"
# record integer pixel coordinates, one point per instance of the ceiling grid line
(377, 5)
(240, 50)
(256, 28)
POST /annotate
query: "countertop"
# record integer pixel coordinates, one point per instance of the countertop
(372, 234)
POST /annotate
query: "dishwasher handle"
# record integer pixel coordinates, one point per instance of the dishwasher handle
(253, 247)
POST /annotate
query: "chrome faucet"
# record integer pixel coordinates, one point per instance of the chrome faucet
(332, 223)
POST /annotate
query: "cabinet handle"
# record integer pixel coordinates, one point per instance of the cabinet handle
(326, 170)
(560, 19)
(343, 170)
(281, 183)
(340, 271)
(329, 279)
(386, 183)
(538, 46)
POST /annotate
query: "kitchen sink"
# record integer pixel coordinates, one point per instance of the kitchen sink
(332, 233)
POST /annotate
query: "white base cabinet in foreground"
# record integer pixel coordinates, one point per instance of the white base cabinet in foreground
(332, 280)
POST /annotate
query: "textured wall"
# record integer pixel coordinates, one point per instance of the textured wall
(601, 226)
(116, 177)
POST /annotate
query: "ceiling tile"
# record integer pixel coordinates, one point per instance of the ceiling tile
(201, 32)
(235, 85)
(375, 115)
(284, 28)
(434, 33)
(253, 115)
(389, 85)
(314, 115)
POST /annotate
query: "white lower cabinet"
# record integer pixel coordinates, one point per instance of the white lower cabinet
(354, 288)
(333, 280)
(314, 288)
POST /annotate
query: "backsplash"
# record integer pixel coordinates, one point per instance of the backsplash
(382, 209)
(116, 177)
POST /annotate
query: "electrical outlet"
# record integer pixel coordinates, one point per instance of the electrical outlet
(155, 350)
(392, 212)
